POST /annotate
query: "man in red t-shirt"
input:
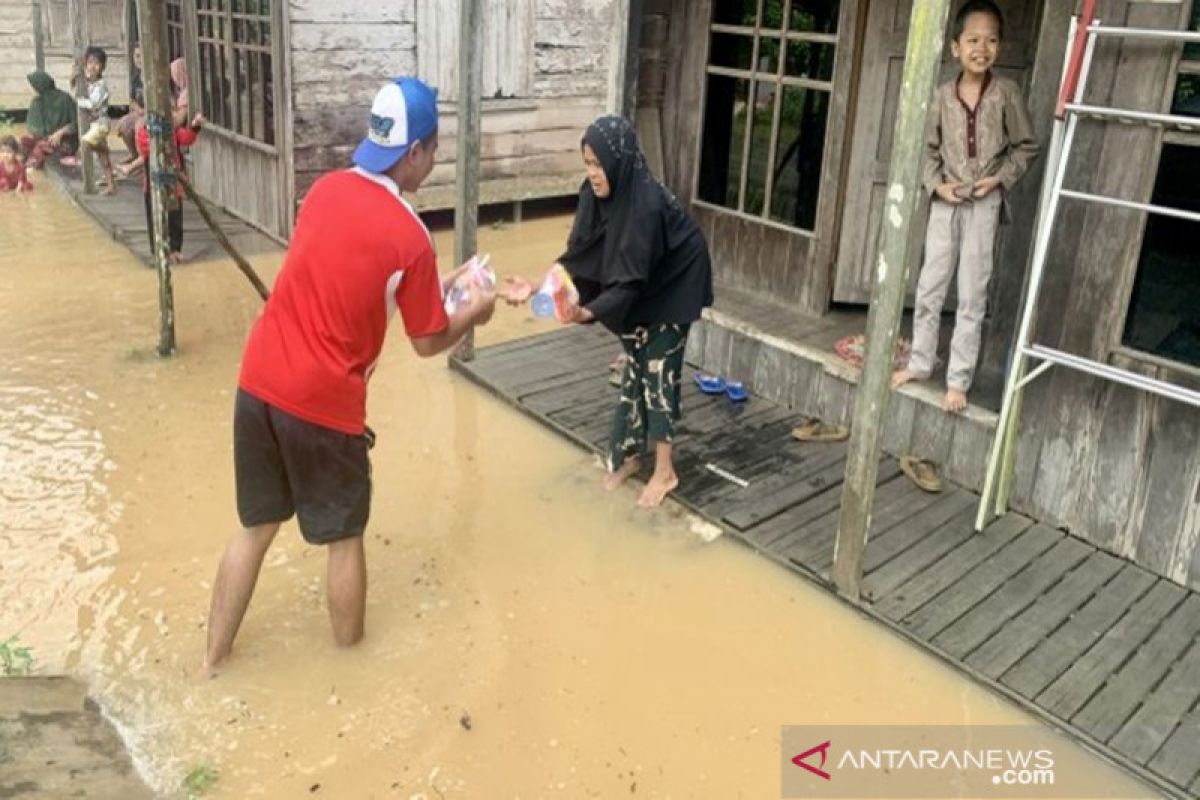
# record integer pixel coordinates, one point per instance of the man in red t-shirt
(358, 253)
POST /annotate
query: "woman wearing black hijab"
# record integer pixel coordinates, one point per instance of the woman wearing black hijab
(642, 270)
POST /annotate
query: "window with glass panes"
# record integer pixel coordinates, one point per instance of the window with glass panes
(236, 81)
(769, 80)
(1164, 312)
(174, 29)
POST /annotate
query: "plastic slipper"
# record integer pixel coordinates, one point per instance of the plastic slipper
(736, 392)
(922, 473)
(710, 384)
(814, 430)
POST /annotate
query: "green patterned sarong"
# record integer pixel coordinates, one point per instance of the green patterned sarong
(649, 406)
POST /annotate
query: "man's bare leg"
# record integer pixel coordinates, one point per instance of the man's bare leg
(233, 588)
(347, 589)
(663, 481)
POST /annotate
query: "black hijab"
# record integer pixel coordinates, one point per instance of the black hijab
(611, 241)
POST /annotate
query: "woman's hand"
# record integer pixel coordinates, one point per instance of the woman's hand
(578, 314)
(516, 290)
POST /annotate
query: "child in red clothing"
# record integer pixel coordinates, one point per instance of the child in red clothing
(185, 137)
(12, 170)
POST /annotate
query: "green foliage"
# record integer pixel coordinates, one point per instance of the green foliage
(197, 782)
(14, 659)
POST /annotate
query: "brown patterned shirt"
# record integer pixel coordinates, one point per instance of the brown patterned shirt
(996, 138)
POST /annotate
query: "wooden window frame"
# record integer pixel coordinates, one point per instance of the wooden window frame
(240, 124)
(778, 80)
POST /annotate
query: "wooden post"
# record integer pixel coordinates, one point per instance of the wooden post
(39, 44)
(77, 11)
(470, 89)
(926, 36)
(160, 168)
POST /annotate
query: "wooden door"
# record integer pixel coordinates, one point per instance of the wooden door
(885, 39)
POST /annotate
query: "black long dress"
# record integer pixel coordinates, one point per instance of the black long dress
(636, 257)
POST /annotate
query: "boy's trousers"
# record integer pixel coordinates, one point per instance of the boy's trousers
(962, 235)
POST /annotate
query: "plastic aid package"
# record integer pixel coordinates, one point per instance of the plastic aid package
(479, 274)
(556, 294)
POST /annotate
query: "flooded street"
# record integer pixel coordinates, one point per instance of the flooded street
(528, 635)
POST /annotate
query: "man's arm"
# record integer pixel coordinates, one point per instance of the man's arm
(477, 312)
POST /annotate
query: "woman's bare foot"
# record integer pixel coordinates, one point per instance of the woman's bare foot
(901, 377)
(954, 401)
(657, 490)
(614, 479)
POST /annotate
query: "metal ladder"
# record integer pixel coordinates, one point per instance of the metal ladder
(1085, 31)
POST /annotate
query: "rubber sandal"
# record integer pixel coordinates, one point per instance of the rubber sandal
(814, 430)
(710, 384)
(922, 473)
(736, 392)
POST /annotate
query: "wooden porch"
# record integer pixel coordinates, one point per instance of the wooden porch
(1086, 641)
(123, 216)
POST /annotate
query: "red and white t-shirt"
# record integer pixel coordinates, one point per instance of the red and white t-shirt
(358, 253)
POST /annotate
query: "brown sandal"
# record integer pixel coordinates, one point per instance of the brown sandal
(922, 473)
(814, 430)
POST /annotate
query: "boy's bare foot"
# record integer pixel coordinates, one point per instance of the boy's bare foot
(901, 377)
(954, 401)
(176, 257)
(614, 479)
(657, 490)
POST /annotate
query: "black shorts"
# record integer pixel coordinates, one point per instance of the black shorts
(285, 465)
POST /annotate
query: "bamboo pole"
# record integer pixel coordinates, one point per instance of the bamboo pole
(470, 90)
(926, 37)
(223, 240)
(77, 11)
(160, 167)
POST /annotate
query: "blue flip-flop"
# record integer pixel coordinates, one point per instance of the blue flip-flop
(736, 392)
(710, 384)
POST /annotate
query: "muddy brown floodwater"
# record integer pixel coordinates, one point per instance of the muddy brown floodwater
(528, 634)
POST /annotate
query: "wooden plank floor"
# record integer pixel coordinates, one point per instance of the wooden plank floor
(123, 215)
(1092, 643)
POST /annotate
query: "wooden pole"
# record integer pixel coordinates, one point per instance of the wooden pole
(470, 89)
(160, 168)
(926, 35)
(77, 11)
(39, 44)
(223, 240)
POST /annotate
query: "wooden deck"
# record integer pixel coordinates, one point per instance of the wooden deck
(123, 215)
(1090, 643)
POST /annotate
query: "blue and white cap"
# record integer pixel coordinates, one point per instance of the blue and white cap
(404, 112)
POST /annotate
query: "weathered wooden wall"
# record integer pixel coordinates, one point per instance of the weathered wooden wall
(792, 267)
(341, 54)
(1115, 464)
(104, 27)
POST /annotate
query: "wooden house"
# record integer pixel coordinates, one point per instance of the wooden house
(25, 23)
(284, 86)
(777, 117)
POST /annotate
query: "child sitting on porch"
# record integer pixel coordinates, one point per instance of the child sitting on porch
(12, 169)
(981, 141)
(94, 104)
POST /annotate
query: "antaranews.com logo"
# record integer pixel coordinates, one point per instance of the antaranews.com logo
(935, 761)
